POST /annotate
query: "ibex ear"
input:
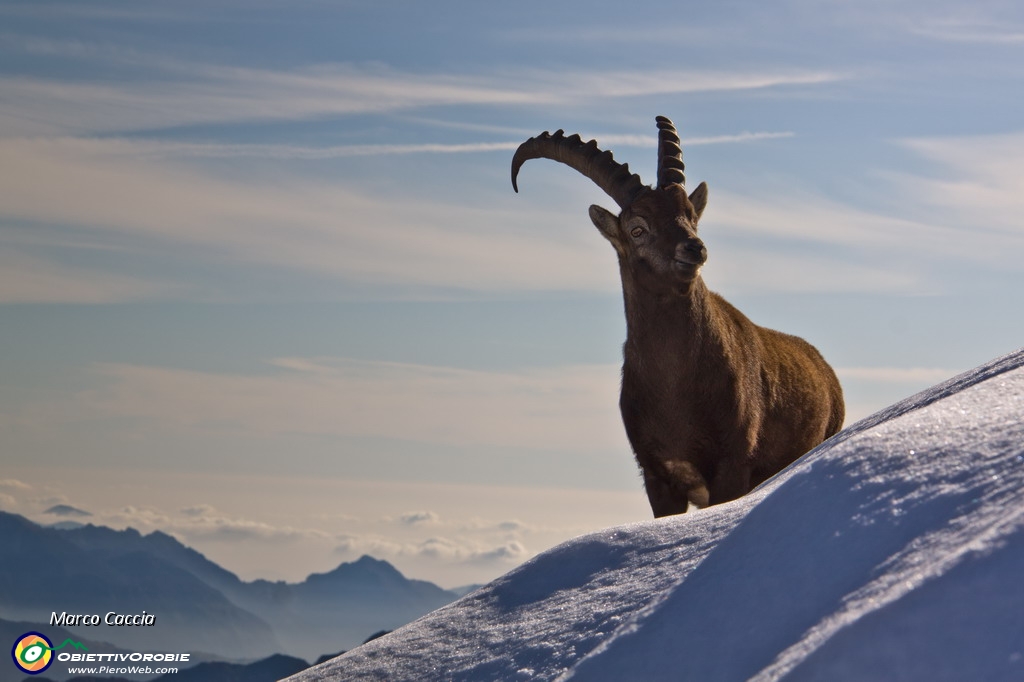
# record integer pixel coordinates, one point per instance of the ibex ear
(607, 222)
(699, 199)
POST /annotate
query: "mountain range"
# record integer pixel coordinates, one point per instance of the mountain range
(200, 607)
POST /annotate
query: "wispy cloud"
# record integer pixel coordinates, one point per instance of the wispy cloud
(976, 183)
(476, 523)
(419, 517)
(563, 407)
(185, 94)
(296, 223)
(157, 149)
(205, 523)
(29, 279)
(809, 243)
(228, 529)
(652, 140)
(971, 31)
(127, 190)
(798, 214)
(965, 162)
(755, 269)
(162, 149)
(198, 510)
(427, 538)
(438, 548)
(214, 94)
(13, 484)
(962, 213)
(608, 84)
(117, 187)
(906, 241)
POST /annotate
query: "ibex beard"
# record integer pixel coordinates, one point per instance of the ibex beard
(713, 404)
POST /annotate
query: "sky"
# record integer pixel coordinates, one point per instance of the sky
(265, 285)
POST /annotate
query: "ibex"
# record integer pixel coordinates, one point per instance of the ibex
(712, 403)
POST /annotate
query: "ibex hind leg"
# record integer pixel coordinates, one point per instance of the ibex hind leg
(673, 487)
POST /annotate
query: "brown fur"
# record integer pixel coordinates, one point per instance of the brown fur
(713, 404)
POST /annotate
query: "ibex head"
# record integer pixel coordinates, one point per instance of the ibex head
(655, 233)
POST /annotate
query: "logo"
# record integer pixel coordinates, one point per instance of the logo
(33, 652)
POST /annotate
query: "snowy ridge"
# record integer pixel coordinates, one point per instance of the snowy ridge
(891, 552)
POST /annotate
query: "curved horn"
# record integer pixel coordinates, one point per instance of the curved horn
(670, 155)
(607, 173)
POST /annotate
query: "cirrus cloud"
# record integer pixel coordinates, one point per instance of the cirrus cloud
(568, 407)
(438, 548)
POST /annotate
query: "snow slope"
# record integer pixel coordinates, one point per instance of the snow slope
(894, 551)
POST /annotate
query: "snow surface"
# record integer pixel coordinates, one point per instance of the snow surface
(894, 551)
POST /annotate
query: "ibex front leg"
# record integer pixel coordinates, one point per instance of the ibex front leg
(672, 485)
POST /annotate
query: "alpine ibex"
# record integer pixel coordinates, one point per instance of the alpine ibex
(712, 403)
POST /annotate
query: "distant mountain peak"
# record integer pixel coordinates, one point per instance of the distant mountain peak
(66, 510)
(365, 567)
(88, 566)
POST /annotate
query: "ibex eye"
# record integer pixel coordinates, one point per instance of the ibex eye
(637, 231)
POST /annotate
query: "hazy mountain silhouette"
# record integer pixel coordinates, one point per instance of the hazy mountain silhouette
(43, 570)
(66, 510)
(199, 606)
